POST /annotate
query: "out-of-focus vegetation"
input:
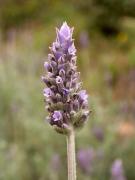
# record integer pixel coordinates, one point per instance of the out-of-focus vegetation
(16, 12)
(29, 148)
(106, 15)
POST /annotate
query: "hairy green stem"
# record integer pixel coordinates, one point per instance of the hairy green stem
(71, 155)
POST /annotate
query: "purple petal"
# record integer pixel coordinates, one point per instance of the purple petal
(72, 50)
(62, 73)
(58, 54)
(83, 96)
(65, 30)
(65, 91)
(57, 116)
(59, 80)
(47, 66)
(60, 38)
(47, 92)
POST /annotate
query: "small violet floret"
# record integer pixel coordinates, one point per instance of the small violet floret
(66, 103)
(57, 116)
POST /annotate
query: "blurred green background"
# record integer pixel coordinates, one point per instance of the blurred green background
(105, 41)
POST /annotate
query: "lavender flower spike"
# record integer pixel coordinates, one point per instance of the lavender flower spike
(117, 172)
(67, 104)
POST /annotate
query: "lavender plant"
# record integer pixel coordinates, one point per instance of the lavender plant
(67, 103)
(117, 171)
(85, 159)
